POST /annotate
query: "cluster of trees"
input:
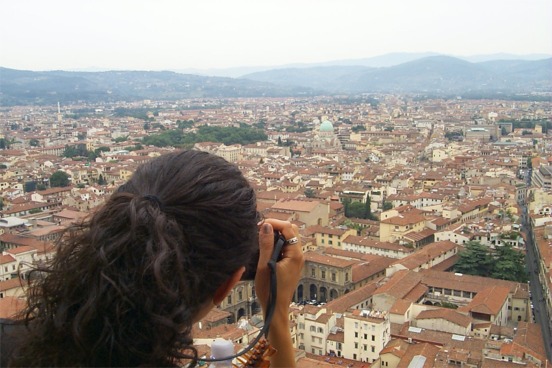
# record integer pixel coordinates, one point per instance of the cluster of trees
(455, 135)
(300, 128)
(245, 134)
(138, 113)
(358, 209)
(504, 262)
(529, 124)
(57, 179)
(81, 151)
(6, 143)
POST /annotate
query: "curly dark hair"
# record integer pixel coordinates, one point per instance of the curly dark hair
(126, 283)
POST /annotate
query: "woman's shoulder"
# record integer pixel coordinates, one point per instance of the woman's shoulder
(12, 333)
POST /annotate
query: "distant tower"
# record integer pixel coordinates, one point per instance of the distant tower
(59, 114)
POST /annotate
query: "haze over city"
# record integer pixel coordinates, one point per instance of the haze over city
(175, 35)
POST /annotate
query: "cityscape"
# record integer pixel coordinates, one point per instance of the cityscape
(397, 198)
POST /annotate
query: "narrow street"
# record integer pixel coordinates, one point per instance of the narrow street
(539, 308)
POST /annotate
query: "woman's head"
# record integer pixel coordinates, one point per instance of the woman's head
(127, 283)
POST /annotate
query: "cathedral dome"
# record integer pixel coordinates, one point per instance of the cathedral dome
(326, 126)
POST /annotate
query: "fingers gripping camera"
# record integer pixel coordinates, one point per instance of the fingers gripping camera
(251, 266)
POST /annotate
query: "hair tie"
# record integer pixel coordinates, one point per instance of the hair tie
(152, 198)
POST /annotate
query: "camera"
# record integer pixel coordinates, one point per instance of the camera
(251, 266)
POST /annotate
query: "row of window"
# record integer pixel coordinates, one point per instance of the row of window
(323, 275)
(365, 347)
(365, 337)
(240, 297)
(364, 326)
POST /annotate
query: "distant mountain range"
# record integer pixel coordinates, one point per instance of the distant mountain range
(435, 75)
(432, 75)
(27, 87)
(380, 61)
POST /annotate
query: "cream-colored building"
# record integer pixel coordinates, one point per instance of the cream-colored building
(395, 228)
(331, 237)
(366, 334)
(313, 327)
(241, 301)
(366, 245)
(309, 212)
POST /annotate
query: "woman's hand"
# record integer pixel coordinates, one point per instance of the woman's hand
(288, 269)
(288, 273)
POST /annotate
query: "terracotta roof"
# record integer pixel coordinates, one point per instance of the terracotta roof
(488, 301)
(327, 260)
(355, 297)
(10, 306)
(365, 270)
(446, 314)
(296, 205)
(6, 258)
(400, 306)
(13, 283)
(404, 219)
(400, 284)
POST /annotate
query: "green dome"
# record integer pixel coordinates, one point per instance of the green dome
(326, 126)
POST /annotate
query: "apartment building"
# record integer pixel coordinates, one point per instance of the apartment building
(542, 177)
(366, 332)
(313, 327)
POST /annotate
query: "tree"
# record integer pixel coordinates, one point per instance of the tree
(509, 265)
(4, 143)
(121, 139)
(356, 210)
(59, 179)
(310, 193)
(30, 186)
(34, 142)
(475, 259)
(101, 180)
(98, 151)
(387, 206)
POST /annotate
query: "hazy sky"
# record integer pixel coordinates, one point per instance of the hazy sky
(179, 34)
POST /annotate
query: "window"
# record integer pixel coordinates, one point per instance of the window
(313, 272)
(323, 274)
(356, 345)
(312, 328)
(356, 334)
(240, 295)
(346, 276)
(365, 347)
(365, 336)
(373, 337)
(229, 299)
(334, 277)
